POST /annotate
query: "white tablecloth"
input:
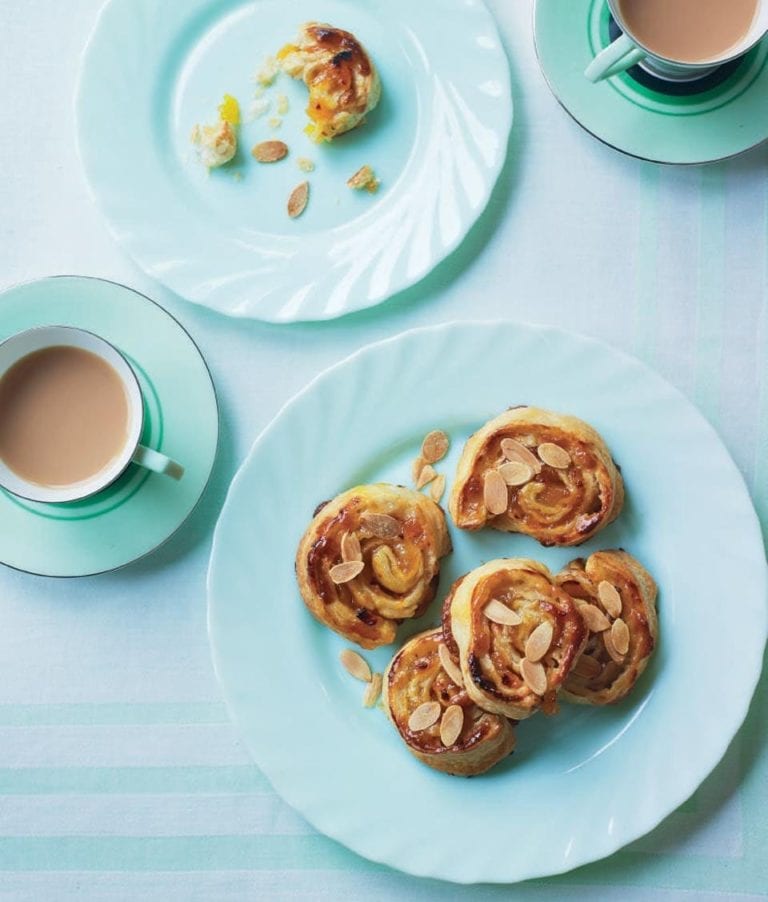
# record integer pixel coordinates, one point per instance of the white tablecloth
(120, 776)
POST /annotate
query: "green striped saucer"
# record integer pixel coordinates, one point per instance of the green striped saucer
(139, 511)
(715, 118)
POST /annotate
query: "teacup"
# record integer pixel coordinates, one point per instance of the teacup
(633, 48)
(71, 416)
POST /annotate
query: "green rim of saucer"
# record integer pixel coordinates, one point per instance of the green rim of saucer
(140, 510)
(723, 121)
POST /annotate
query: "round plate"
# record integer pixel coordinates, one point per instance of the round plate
(155, 68)
(712, 119)
(140, 510)
(579, 785)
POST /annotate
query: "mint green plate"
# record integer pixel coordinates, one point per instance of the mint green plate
(154, 68)
(141, 510)
(579, 786)
(725, 119)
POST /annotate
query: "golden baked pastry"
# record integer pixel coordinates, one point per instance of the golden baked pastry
(343, 83)
(434, 715)
(617, 598)
(517, 636)
(544, 474)
(370, 559)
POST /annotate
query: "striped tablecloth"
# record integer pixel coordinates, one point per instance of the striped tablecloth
(120, 776)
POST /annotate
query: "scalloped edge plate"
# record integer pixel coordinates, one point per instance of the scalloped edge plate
(565, 796)
(153, 68)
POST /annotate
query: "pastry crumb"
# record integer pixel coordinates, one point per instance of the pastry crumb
(364, 180)
(258, 108)
(268, 73)
(275, 122)
(305, 164)
(282, 104)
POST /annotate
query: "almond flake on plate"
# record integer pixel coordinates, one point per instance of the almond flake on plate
(297, 202)
(426, 476)
(373, 691)
(355, 665)
(437, 489)
(270, 151)
(435, 446)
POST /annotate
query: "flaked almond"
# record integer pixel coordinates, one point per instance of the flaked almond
(587, 667)
(373, 690)
(343, 573)
(297, 202)
(554, 456)
(514, 450)
(611, 648)
(515, 472)
(435, 446)
(437, 489)
(424, 716)
(451, 725)
(594, 618)
(534, 675)
(499, 613)
(270, 151)
(416, 467)
(454, 674)
(355, 665)
(620, 636)
(350, 548)
(495, 493)
(537, 644)
(426, 476)
(382, 526)
(609, 598)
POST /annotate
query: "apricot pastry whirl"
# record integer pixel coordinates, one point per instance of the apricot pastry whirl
(617, 598)
(370, 559)
(516, 635)
(433, 714)
(544, 474)
(343, 83)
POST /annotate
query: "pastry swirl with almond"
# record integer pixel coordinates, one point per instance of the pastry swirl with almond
(433, 714)
(343, 83)
(544, 474)
(616, 596)
(516, 635)
(371, 559)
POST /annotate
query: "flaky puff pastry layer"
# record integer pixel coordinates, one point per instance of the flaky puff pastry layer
(401, 562)
(416, 676)
(603, 674)
(496, 658)
(557, 505)
(343, 83)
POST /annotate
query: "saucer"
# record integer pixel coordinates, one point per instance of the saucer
(712, 118)
(139, 511)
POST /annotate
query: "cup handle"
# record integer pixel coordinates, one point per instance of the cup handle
(618, 56)
(157, 462)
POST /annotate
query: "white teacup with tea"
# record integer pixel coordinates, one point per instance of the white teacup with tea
(680, 40)
(71, 416)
